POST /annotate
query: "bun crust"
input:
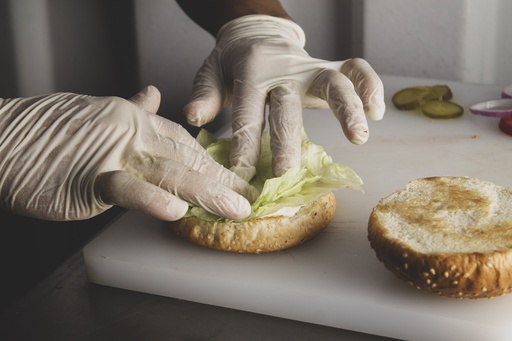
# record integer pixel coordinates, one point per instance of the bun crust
(447, 235)
(260, 235)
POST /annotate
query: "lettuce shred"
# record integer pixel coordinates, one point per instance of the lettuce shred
(317, 176)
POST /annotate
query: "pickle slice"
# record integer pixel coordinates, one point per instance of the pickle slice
(410, 98)
(442, 109)
(416, 96)
(441, 92)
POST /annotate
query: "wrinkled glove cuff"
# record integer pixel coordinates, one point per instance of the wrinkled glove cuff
(264, 25)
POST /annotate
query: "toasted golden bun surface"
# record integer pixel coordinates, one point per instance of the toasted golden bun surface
(260, 235)
(447, 235)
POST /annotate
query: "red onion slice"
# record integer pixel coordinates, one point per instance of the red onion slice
(507, 92)
(495, 108)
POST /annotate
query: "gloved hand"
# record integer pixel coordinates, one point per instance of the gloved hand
(259, 58)
(68, 157)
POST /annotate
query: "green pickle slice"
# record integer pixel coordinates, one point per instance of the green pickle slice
(410, 98)
(416, 96)
(442, 109)
(441, 93)
(433, 100)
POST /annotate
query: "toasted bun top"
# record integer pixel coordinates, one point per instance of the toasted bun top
(266, 234)
(448, 235)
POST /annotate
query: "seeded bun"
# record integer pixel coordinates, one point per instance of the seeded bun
(260, 235)
(447, 235)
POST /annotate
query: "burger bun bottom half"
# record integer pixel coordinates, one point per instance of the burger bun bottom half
(260, 235)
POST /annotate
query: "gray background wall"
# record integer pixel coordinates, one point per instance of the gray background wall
(117, 46)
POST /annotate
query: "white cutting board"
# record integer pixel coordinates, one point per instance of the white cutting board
(335, 279)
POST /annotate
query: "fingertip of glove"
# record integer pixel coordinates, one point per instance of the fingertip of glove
(241, 210)
(375, 110)
(151, 90)
(282, 163)
(359, 139)
(194, 121)
(358, 134)
(198, 113)
(176, 209)
(148, 99)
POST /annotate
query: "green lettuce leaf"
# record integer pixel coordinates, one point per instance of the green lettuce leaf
(317, 176)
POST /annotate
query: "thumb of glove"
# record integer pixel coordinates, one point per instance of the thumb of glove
(147, 99)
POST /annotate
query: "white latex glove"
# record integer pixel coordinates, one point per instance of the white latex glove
(259, 58)
(67, 157)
